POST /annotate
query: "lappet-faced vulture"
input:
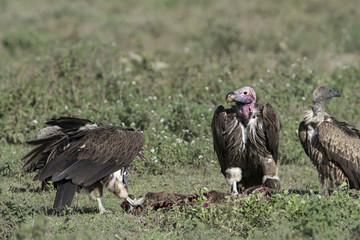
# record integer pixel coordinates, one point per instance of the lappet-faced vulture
(74, 152)
(246, 140)
(332, 146)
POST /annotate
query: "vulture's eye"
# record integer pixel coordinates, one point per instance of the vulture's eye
(329, 90)
(245, 93)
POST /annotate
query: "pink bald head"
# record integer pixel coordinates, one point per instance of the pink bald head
(244, 98)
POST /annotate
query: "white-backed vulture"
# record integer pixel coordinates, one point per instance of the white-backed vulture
(75, 152)
(332, 146)
(246, 140)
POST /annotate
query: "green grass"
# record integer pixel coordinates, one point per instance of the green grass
(163, 67)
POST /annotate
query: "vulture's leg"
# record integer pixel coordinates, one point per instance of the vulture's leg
(233, 175)
(64, 196)
(100, 206)
(234, 190)
(95, 193)
(271, 174)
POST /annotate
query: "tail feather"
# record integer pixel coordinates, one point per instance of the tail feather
(44, 150)
(64, 196)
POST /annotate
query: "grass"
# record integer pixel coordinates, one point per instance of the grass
(163, 67)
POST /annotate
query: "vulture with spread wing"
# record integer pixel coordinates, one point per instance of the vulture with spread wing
(332, 146)
(246, 140)
(74, 152)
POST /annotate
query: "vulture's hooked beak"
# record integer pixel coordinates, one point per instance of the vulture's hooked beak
(234, 96)
(230, 97)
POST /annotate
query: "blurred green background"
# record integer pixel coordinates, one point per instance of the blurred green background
(164, 66)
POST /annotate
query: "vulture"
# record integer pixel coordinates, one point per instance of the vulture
(332, 146)
(246, 140)
(74, 152)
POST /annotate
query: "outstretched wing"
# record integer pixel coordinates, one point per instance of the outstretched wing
(46, 148)
(94, 154)
(51, 141)
(342, 145)
(228, 138)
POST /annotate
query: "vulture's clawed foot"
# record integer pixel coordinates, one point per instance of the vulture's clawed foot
(235, 193)
(272, 184)
(261, 189)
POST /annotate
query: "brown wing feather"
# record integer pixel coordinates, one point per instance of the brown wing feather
(303, 137)
(271, 128)
(227, 138)
(96, 154)
(52, 142)
(45, 149)
(217, 127)
(342, 146)
(109, 143)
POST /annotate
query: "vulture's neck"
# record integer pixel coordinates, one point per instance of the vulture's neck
(244, 110)
(318, 111)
